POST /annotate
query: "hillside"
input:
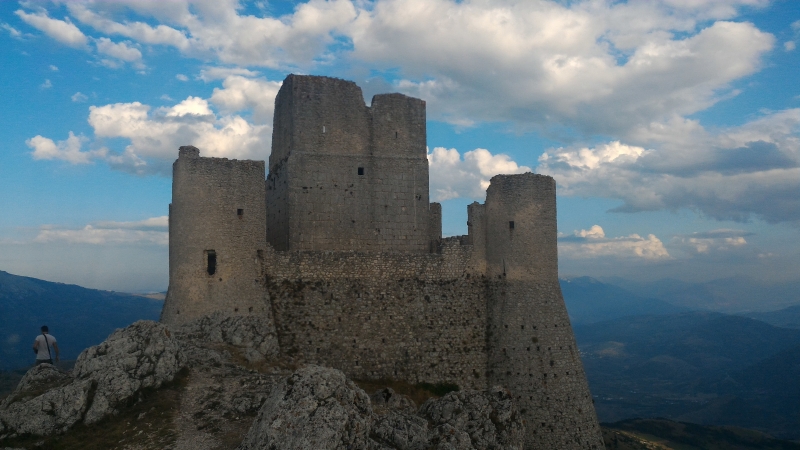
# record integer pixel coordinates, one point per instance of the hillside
(77, 316)
(701, 367)
(786, 317)
(730, 295)
(589, 301)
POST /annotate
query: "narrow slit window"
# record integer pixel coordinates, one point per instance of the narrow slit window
(211, 262)
(361, 171)
(240, 212)
(395, 134)
(511, 225)
(323, 128)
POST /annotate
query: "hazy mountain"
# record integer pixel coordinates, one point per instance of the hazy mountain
(729, 295)
(786, 318)
(589, 300)
(77, 316)
(701, 367)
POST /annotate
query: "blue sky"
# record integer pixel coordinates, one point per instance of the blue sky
(672, 128)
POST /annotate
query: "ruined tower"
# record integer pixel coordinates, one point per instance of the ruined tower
(341, 250)
(344, 176)
(217, 238)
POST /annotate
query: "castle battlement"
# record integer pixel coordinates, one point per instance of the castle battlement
(340, 247)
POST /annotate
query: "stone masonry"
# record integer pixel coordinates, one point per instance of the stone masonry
(341, 249)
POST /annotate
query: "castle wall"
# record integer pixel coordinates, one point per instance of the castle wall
(420, 318)
(217, 212)
(531, 347)
(359, 175)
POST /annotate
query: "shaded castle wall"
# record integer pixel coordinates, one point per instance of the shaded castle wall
(420, 318)
(344, 176)
(208, 195)
(531, 347)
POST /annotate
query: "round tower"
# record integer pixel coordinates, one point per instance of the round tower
(217, 238)
(532, 350)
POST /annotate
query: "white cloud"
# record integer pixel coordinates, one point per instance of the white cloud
(156, 135)
(181, 77)
(68, 150)
(217, 29)
(148, 231)
(218, 73)
(122, 51)
(46, 85)
(240, 93)
(720, 240)
(796, 26)
(593, 243)
(598, 67)
(789, 46)
(734, 173)
(453, 176)
(79, 98)
(53, 68)
(166, 97)
(63, 31)
(11, 30)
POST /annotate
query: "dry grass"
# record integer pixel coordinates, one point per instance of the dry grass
(418, 393)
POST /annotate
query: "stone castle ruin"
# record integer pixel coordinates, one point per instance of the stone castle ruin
(341, 249)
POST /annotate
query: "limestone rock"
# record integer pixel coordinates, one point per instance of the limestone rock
(254, 334)
(41, 405)
(316, 408)
(142, 355)
(474, 420)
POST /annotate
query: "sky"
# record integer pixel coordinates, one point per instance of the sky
(672, 127)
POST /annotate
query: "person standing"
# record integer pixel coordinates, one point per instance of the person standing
(42, 345)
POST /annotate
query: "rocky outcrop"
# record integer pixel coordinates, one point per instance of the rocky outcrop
(319, 408)
(106, 376)
(254, 335)
(316, 408)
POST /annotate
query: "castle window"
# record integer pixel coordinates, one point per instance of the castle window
(361, 171)
(395, 134)
(240, 212)
(323, 128)
(211, 263)
(511, 225)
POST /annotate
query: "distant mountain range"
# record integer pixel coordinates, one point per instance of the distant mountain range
(589, 301)
(77, 317)
(702, 367)
(729, 295)
(786, 317)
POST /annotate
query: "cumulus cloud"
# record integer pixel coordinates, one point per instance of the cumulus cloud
(63, 31)
(148, 231)
(53, 68)
(239, 93)
(120, 50)
(454, 176)
(593, 243)
(67, 150)
(46, 85)
(181, 77)
(216, 29)
(735, 173)
(79, 98)
(789, 46)
(597, 67)
(720, 240)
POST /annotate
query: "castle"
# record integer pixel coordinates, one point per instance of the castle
(341, 249)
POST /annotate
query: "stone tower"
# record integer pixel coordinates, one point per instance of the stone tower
(530, 344)
(344, 176)
(217, 238)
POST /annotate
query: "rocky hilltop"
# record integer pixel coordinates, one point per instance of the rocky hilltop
(220, 383)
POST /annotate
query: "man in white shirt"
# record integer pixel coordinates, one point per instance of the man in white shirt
(42, 345)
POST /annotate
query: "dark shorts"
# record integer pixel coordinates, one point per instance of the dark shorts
(44, 361)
